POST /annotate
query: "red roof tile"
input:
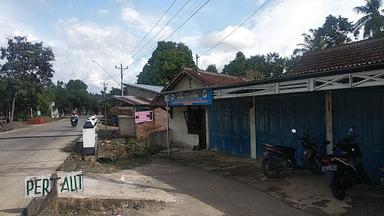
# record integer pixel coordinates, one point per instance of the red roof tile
(344, 57)
(206, 78)
(210, 79)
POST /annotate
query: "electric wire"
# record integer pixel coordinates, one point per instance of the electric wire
(153, 27)
(161, 29)
(151, 50)
(235, 29)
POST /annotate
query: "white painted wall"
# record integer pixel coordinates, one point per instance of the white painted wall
(179, 130)
(187, 83)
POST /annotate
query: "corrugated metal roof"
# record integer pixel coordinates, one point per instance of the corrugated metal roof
(147, 87)
(133, 100)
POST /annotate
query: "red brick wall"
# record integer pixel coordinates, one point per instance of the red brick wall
(159, 123)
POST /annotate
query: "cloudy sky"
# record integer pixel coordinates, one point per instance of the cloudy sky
(90, 37)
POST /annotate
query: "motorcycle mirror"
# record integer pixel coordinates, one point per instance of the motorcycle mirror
(293, 130)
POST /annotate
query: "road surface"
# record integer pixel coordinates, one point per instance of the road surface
(34, 150)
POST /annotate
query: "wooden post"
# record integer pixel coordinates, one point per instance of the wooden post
(252, 128)
(329, 121)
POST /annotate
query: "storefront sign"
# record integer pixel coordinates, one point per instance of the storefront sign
(38, 186)
(143, 116)
(194, 97)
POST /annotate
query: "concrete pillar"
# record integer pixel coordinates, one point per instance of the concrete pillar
(207, 126)
(328, 120)
(252, 128)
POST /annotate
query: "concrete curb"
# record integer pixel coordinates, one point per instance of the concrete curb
(37, 204)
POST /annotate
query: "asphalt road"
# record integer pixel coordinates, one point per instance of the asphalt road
(31, 151)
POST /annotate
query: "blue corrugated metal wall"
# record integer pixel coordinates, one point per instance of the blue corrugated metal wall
(277, 115)
(364, 109)
(229, 126)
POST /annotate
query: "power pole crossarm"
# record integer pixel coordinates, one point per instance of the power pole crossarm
(121, 76)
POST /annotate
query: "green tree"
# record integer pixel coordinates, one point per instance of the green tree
(45, 97)
(77, 94)
(27, 69)
(212, 68)
(275, 64)
(291, 62)
(336, 31)
(115, 91)
(236, 67)
(166, 61)
(372, 21)
(312, 42)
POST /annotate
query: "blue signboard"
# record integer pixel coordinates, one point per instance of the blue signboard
(188, 98)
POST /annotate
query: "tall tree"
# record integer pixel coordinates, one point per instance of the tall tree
(336, 31)
(77, 94)
(275, 64)
(115, 91)
(166, 61)
(236, 67)
(212, 68)
(372, 21)
(27, 68)
(312, 42)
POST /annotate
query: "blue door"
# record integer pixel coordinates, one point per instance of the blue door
(364, 109)
(277, 115)
(229, 126)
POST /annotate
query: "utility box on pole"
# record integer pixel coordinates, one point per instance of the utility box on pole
(90, 138)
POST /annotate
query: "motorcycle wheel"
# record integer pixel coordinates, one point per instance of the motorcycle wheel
(315, 169)
(268, 170)
(338, 190)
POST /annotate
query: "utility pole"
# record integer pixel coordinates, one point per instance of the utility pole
(121, 76)
(105, 105)
(197, 60)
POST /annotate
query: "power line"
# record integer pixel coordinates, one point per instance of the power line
(189, 11)
(158, 32)
(188, 19)
(105, 70)
(153, 27)
(151, 50)
(241, 24)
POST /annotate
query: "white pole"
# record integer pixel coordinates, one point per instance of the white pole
(167, 131)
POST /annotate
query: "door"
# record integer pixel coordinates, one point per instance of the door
(364, 109)
(277, 115)
(229, 126)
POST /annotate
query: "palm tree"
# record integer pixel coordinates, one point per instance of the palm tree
(373, 21)
(312, 42)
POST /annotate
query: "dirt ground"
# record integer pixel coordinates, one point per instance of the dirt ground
(300, 189)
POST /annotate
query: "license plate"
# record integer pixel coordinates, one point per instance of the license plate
(329, 168)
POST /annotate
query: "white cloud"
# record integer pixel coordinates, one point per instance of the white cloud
(277, 29)
(87, 41)
(136, 19)
(103, 11)
(143, 22)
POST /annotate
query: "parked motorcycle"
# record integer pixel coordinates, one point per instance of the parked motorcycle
(280, 158)
(345, 169)
(74, 120)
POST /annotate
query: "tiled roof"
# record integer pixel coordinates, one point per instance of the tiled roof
(147, 87)
(343, 58)
(206, 78)
(210, 79)
(132, 100)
